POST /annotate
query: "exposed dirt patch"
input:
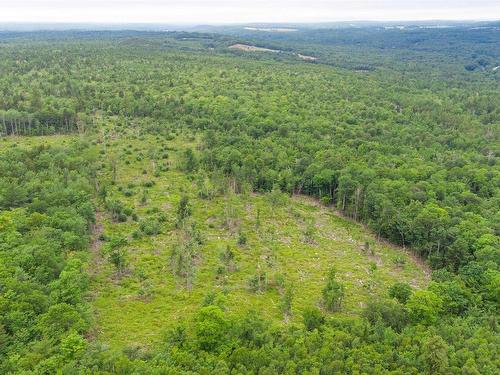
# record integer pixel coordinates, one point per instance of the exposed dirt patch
(95, 266)
(96, 245)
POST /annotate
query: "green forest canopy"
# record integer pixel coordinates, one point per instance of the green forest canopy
(412, 153)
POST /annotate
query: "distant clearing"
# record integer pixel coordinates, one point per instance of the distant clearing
(272, 29)
(294, 239)
(248, 48)
(307, 58)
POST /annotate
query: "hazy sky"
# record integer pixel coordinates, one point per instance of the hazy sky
(241, 11)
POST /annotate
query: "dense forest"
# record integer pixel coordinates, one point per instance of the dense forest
(394, 129)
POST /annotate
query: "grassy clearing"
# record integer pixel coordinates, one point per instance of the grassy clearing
(27, 142)
(289, 239)
(294, 240)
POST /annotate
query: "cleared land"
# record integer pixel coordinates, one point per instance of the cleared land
(307, 58)
(249, 48)
(291, 240)
(271, 29)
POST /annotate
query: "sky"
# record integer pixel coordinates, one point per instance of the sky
(242, 11)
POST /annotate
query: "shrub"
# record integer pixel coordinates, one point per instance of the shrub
(258, 282)
(389, 312)
(400, 291)
(313, 318)
(424, 307)
(227, 257)
(210, 327)
(242, 238)
(183, 210)
(150, 226)
(333, 292)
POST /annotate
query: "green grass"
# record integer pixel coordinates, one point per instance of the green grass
(125, 317)
(27, 142)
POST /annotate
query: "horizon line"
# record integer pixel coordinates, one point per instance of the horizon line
(247, 23)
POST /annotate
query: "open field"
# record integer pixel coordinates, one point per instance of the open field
(292, 240)
(248, 48)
